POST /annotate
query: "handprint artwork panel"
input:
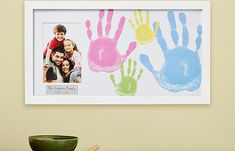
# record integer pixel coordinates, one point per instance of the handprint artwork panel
(181, 63)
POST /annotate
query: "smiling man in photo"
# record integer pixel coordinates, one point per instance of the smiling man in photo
(51, 73)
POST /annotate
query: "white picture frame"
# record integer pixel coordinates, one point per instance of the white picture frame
(35, 12)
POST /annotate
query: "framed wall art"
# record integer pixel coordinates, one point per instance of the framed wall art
(117, 52)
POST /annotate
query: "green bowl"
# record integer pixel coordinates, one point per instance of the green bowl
(53, 143)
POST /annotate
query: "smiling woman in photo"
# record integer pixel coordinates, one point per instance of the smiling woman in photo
(66, 69)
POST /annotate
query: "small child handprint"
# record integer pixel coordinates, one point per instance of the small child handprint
(103, 54)
(143, 32)
(182, 67)
(128, 85)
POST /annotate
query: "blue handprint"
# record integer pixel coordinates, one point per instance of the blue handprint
(182, 67)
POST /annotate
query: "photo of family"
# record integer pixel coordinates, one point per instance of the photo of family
(61, 59)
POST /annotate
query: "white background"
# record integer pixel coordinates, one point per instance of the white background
(99, 84)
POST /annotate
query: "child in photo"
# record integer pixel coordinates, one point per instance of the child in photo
(59, 37)
(74, 55)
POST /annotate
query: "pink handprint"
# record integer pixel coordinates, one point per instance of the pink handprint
(103, 54)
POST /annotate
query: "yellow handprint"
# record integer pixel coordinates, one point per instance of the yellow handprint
(144, 34)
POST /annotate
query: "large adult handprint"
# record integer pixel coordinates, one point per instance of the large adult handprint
(103, 54)
(182, 67)
(128, 85)
(144, 34)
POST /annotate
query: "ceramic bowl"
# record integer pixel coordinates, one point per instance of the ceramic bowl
(53, 142)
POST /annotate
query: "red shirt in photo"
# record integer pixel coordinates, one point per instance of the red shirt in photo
(54, 43)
